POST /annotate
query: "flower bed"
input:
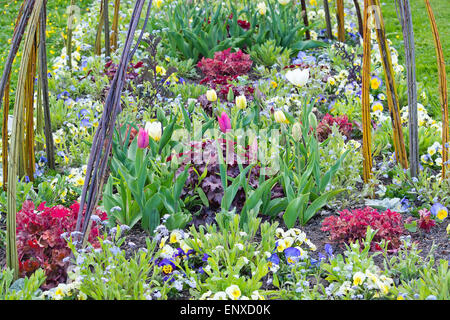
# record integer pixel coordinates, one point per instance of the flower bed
(236, 167)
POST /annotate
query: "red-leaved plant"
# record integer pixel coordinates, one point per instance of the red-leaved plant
(351, 226)
(220, 71)
(323, 129)
(40, 239)
(226, 63)
(426, 222)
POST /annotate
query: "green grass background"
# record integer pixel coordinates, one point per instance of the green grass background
(426, 64)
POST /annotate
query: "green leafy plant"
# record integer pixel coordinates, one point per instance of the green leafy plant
(136, 278)
(303, 180)
(22, 289)
(407, 264)
(432, 284)
(146, 191)
(195, 31)
(235, 257)
(268, 54)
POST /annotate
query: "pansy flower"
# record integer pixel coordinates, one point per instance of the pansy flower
(377, 106)
(273, 262)
(375, 82)
(167, 266)
(328, 250)
(439, 211)
(292, 255)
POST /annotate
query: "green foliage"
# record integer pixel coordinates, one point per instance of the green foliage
(188, 90)
(127, 279)
(199, 31)
(145, 190)
(308, 179)
(407, 264)
(21, 289)
(426, 187)
(185, 68)
(23, 190)
(432, 284)
(352, 109)
(348, 175)
(236, 256)
(268, 54)
(195, 31)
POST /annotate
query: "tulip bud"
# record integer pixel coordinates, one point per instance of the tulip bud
(297, 131)
(230, 95)
(211, 95)
(154, 130)
(241, 102)
(143, 139)
(312, 120)
(280, 117)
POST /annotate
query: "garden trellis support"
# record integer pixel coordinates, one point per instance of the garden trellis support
(43, 78)
(17, 135)
(305, 19)
(442, 91)
(340, 20)
(366, 120)
(102, 142)
(326, 8)
(22, 21)
(391, 91)
(408, 41)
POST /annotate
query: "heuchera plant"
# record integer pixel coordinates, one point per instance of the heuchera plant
(351, 226)
(226, 63)
(324, 127)
(40, 239)
(204, 157)
(426, 222)
(225, 67)
(132, 72)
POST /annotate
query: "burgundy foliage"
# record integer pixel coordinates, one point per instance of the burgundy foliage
(351, 226)
(40, 243)
(225, 67)
(323, 129)
(204, 156)
(425, 221)
(226, 63)
(132, 72)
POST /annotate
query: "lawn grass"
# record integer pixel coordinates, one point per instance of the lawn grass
(426, 64)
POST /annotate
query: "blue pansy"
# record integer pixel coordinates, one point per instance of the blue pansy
(292, 255)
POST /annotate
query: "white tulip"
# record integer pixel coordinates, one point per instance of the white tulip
(154, 130)
(298, 77)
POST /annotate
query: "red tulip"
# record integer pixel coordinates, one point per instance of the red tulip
(143, 138)
(224, 122)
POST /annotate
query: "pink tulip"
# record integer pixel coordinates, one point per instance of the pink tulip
(224, 122)
(143, 138)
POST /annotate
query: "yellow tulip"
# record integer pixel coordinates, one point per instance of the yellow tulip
(241, 102)
(280, 117)
(211, 95)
